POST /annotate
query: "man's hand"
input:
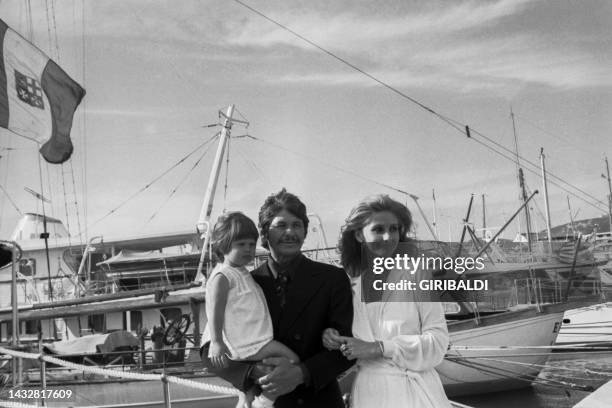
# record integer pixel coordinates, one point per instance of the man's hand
(283, 379)
(259, 370)
(331, 339)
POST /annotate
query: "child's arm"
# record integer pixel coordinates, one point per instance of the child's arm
(219, 288)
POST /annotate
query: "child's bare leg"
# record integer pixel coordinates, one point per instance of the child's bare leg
(275, 349)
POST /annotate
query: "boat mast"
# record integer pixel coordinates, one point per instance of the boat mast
(45, 234)
(546, 201)
(435, 211)
(203, 225)
(569, 207)
(484, 219)
(521, 180)
(609, 195)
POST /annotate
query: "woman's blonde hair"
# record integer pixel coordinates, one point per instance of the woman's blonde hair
(360, 215)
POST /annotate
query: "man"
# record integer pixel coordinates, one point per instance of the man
(304, 298)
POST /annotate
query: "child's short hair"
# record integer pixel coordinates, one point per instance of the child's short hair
(230, 227)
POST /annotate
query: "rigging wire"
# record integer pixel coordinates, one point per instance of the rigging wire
(390, 187)
(505, 373)
(579, 370)
(556, 136)
(112, 211)
(537, 166)
(336, 167)
(536, 173)
(84, 124)
(30, 27)
(66, 205)
(195, 165)
(252, 164)
(451, 122)
(188, 85)
(47, 11)
(10, 200)
(52, 28)
(5, 178)
(57, 50)
(76, 205)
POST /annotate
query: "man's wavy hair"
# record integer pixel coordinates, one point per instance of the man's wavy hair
(348, 246)
(274, 204)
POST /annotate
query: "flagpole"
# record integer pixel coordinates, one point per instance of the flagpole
(45, 234)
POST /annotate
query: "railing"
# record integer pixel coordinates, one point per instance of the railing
(122, 371)
(538, 291)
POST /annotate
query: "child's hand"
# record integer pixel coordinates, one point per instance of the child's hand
(331, 339)
(218, 353)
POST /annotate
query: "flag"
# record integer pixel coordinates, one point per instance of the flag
(37, 98)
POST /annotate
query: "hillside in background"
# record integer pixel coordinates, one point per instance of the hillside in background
(582, 226)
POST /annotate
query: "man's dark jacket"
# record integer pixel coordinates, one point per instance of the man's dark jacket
(319, 296)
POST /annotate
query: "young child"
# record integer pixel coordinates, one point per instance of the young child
(239, 324)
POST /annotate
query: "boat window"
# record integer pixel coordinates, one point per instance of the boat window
(97, 323)
(30, 327)
(451, 307)
(27, 267)
(171, 313)
(6, 329)
(135, 320)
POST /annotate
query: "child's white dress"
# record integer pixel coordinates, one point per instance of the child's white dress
(247, 324)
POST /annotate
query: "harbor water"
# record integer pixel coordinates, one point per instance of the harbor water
(581, 369)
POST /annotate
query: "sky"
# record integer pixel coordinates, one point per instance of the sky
(157, 73)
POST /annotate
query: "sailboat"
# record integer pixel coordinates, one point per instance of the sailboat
(508, 340)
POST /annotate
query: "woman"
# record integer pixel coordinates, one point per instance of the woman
(397, 342)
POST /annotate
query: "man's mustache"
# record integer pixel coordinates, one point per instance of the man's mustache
(289, 238)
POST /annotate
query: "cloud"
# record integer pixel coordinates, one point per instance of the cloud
(502, 65)
(354, 31)
(113, 112)
(466, 47)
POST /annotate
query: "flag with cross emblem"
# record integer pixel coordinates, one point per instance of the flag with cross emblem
(37, 98)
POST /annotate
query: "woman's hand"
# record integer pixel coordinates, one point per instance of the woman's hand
(332, 339)
(218, 353)
(353, 348)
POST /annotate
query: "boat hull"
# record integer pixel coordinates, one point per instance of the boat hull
(592, 324)
(489, 370)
